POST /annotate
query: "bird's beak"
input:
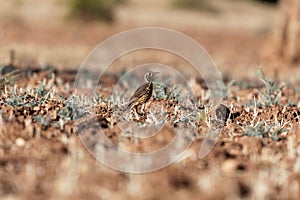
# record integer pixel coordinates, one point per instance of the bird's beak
(154, 73)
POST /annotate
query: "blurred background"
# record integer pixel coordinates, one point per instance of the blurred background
(240, 35)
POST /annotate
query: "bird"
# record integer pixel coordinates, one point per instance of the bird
(142, 94)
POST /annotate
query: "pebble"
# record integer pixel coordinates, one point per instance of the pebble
(229, 166)
(20, 142)
(36, 108)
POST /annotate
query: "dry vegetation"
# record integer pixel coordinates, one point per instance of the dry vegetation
(257, 153)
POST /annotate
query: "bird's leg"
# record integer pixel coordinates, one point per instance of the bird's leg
(143, 108)
(136, 113)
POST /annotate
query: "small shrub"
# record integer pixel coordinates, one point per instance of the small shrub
(201, 5)
(160, 91)
(260, 131)
(25, 99)
(42, 120)
(94, 9)
(263, 130)
(271, 91)
(71, 110)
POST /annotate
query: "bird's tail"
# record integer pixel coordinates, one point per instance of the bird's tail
(129, 106)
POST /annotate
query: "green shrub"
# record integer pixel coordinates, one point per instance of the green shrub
(94, 9)
(271, 92)
(194, 5)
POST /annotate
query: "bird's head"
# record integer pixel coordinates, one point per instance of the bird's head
(149, 76)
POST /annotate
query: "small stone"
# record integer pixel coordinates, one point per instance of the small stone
(229, 166)
(64, 139)
(20, 142)
(222, 112)
(36, 108)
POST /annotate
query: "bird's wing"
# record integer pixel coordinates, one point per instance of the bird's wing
(138, 92)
